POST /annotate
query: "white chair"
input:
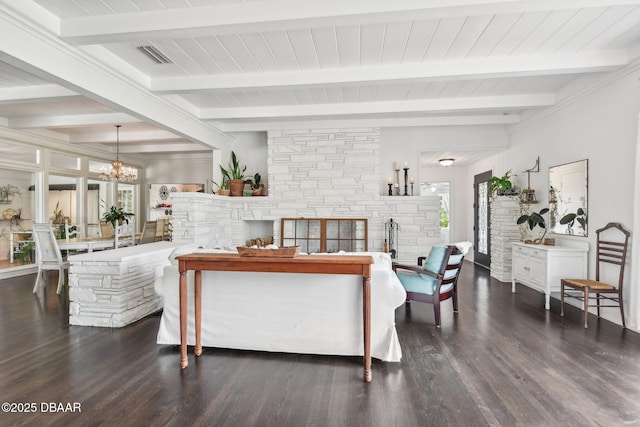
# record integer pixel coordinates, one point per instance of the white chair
(125, 235)
(48, 254)
(72, 231)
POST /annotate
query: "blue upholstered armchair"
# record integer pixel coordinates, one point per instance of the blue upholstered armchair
(436, 281)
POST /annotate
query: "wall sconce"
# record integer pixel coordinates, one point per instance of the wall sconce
(446, 162)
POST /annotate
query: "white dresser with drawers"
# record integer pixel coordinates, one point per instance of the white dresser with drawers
(541, 267)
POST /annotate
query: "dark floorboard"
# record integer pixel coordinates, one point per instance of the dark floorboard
(502, 361)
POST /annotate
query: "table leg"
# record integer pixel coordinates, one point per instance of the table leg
(184, 362)
(366, 312)
(198, 310)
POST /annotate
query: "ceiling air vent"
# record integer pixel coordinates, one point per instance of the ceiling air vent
(154, 54)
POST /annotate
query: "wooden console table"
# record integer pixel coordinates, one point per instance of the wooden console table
(314, 264)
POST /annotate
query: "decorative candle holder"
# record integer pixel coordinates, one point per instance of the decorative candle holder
(412, 188)
(390, 190)
(406, 181)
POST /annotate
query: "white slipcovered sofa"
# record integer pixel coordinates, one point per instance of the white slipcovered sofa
(286, 312)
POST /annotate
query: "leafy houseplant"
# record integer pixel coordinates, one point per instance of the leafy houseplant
(256, 184)
(26, 253)
(222, 189)
(502, 186)
(118, 215)
(58, 216)
(532, 219)
(234, 175)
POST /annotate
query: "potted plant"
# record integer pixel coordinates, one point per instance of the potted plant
(532, 219)
(222, 189)
(502, 186)
(58, 216)
(257, 186)
(115, 214)
(235, 175)
(27, 252)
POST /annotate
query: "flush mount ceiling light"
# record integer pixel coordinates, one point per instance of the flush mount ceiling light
(446, 162)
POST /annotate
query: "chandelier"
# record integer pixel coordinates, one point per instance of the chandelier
(118, 171)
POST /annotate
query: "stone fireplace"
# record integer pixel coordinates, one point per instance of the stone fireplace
(313, 173)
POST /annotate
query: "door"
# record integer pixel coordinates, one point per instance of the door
(481, 220)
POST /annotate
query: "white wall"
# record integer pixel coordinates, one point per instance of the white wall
(600, 126)
(203, 167)
(193, 168)
(251, 150)
(414, 143)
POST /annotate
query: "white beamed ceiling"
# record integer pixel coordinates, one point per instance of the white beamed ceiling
(71, 68)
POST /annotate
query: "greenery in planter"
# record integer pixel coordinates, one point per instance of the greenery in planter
(235, 175)
(235, 171)
(502, 186)
(255, 182)
(58, 216)
(26, 251)
(223, 186)
(532, 219)
(115, 214)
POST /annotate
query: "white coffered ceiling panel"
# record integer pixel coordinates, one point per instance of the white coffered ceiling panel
(255, 65)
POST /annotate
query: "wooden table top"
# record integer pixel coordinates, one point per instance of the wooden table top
(318, 264)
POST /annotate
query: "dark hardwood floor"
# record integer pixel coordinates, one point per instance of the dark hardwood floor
(502, 361)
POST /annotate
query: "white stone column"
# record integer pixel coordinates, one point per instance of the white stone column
(504, 230)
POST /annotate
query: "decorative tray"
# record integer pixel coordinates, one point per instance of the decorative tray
(286, 252)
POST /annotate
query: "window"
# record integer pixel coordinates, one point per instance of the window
(325, 234)
(20, 153)
(440, 189)
(65, 161)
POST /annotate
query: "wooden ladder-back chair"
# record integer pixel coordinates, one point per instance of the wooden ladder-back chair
(149, 232)
(612, 252)
(436, 281)
(106, 229)
(48, 254)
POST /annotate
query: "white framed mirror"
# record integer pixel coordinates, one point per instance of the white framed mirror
(568, 189)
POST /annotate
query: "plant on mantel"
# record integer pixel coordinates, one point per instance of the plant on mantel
(256, 184)
(221, 189)
(234, 175)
